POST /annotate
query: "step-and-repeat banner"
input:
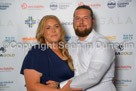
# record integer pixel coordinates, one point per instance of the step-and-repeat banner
(115, 19)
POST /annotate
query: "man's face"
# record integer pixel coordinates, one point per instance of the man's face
(83, 23)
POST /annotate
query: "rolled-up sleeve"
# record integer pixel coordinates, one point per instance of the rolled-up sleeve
(101, 61)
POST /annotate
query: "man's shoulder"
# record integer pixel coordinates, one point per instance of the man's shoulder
(73, 39)
(100, 37)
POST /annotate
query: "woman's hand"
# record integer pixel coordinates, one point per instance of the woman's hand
(52, 84)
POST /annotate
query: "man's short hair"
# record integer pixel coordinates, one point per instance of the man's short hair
(85, 7)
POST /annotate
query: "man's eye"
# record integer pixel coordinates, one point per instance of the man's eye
(85, 17)
(77, 18)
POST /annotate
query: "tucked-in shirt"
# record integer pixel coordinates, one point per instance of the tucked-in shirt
(93, 62)
(42, 59)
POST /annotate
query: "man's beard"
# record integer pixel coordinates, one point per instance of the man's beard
(83, 33)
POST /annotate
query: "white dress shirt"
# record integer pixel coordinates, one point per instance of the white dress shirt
(94, 63)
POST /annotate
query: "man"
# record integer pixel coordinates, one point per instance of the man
(93, 59)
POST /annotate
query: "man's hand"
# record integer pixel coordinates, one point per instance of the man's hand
(52, 84)
(68, 88)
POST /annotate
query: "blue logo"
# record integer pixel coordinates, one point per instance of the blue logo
(53, 5)
(120, 47)
(128, 36)
(3, 49)
(30, 21)
(67, 38)
(9, 39)
(111, 4)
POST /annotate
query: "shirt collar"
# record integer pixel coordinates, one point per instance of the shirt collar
(89, 37)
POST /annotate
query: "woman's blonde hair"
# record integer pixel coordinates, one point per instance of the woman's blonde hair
(41, 40)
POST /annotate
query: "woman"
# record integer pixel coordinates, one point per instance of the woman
(54, 63)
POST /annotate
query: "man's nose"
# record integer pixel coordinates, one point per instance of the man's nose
(81, 21)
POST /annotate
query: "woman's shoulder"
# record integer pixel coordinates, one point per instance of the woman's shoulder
(38, 49)
(36, 59)
(38, 52)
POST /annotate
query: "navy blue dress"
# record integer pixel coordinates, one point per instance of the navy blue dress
(45, 61)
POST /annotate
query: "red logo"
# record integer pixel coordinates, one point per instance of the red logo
(6, 69)
(24, 6)
(90, 5)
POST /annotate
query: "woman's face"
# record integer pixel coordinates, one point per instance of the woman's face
(52, 31)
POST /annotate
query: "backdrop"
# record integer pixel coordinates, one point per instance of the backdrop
(115, 19)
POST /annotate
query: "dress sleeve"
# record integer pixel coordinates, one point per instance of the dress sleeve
(35, 60)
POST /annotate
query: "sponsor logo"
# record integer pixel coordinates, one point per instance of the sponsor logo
(111, 37)
(120, 3)
(30, 39)
(95, 5)
(122, 83)
(61, 5)
(25, 6)
(68, 38)
(3, 49)
(123, 67)
(111, 4)
(30, 22)
(128, 36)
(9, 39)
(7, 55)
(3, 53)
(6, 84)
(123, 53)
(6, 69)
(53, 6)
(123, 3)
(4, 6)
(120, 49)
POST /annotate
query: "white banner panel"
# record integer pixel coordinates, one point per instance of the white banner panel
(115, 19)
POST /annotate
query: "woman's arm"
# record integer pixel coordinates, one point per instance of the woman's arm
(32, 78)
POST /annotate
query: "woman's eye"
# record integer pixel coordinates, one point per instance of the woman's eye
(57, 26)
(47, 28)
